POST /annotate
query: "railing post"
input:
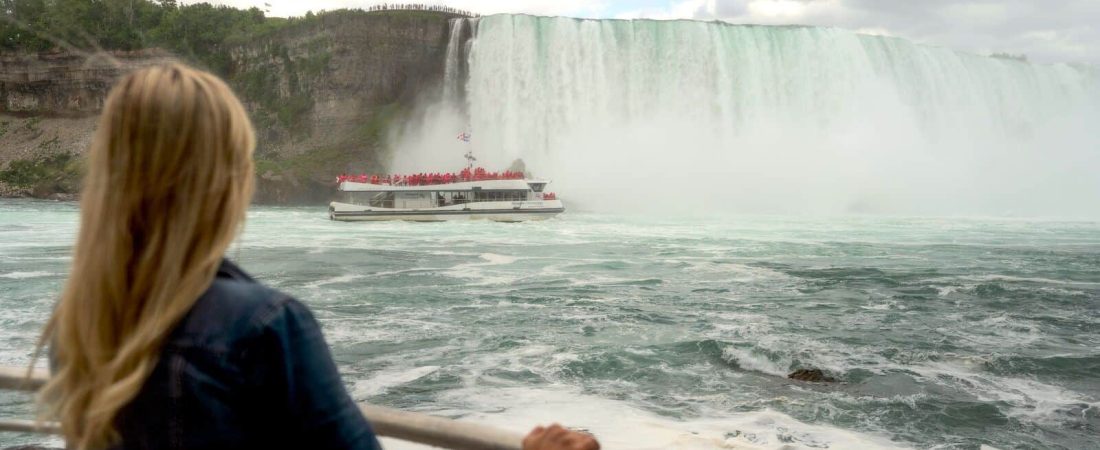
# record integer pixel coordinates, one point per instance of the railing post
(15, 379)
(438, 431)
(28, 426)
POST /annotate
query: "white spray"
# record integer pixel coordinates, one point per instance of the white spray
(688, 116)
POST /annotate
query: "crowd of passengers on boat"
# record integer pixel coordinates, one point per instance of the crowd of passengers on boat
(427, 179)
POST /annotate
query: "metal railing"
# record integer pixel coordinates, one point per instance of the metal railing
(387, 422)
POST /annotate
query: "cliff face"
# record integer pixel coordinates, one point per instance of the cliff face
(322, 94)
(65, 84)
(325, 94)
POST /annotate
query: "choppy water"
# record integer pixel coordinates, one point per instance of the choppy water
(674, 332)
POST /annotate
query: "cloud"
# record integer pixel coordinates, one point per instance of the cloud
(1044, 30)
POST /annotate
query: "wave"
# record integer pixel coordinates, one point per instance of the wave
(25, 275)
(384, 380)
(519, 409)
(1066, 367)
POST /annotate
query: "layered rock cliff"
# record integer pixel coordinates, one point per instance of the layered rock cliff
(323, 93)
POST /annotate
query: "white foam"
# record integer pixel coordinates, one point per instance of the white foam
(748, 360)
(1010, 278)
(495, 259)
(393, 327)
(619, 425)
(1028, 400)
(1013, 279)
(355, 331)
(1002, 330)
(740, 272)
(347, 277)
(25, 275)
(728, 325)
(476, 270)
(1040, 403)
(387, 379)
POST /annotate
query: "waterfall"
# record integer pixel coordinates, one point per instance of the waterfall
(451, 78)
(773, 118)
(456, 67)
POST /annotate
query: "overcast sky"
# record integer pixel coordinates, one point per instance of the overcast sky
(1044, 30)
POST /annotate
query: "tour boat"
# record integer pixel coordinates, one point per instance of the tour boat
(470, 194)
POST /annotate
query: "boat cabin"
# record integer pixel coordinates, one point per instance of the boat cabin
(471, 194)
(441, 195)
(432, 199)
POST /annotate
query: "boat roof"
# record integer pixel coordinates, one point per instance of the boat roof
(353, 186)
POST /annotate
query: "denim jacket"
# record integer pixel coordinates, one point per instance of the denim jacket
(247, 367)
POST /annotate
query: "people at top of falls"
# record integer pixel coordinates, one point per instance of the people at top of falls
(157, 341)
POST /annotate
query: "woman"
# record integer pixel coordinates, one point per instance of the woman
(157, 342)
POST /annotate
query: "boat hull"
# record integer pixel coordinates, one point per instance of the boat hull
(494, 211)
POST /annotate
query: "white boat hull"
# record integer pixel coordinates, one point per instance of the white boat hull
(494, 211)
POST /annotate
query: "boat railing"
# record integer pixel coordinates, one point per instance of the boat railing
(387, 422)
(423, 183)
(431, 179)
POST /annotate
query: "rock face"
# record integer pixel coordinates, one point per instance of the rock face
(65, 84)
(48, 103)
(813, 375)
(323, 94)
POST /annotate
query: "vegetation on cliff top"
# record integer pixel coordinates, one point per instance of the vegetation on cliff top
(277, 84)
(199, 32)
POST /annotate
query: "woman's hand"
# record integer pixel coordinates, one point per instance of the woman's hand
(556, 437)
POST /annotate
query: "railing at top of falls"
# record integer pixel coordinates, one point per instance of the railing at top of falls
(407, 426)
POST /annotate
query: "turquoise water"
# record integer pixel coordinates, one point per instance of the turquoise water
(658, 332)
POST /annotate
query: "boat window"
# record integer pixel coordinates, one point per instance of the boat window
(460, 197)
(537, 187)
(414, 199)
(448, 198)
(381, 199)
(500, 196)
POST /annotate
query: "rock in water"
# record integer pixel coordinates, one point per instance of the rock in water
(814, 375)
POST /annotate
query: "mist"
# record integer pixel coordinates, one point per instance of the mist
(692, 117)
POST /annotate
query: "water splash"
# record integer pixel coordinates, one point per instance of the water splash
(689, 115)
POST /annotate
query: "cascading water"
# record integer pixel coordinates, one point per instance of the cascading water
(457, 69)
(700, 115)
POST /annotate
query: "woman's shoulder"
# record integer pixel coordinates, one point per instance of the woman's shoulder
(234, 307)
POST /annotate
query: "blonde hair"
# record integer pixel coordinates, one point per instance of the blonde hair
(169, 178)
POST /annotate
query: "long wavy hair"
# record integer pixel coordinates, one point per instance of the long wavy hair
(169, 177)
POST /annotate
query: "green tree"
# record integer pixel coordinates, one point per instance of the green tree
(21, 21)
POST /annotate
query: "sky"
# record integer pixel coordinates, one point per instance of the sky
(1048, 31)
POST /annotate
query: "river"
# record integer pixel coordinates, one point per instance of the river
(672, 332)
